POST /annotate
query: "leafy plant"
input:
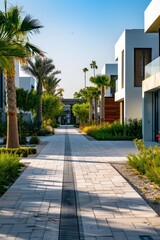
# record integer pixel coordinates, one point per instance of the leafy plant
(34, 140)
(22, 151)
(115, 131)
(9, 169)
(147, 161)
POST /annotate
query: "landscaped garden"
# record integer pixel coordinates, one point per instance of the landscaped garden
(130, 130)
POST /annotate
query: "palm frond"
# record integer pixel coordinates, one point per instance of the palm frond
(30, 25)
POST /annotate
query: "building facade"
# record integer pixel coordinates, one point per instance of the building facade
(151, 84)
(133, 51)
(27, 83)
(110, 69)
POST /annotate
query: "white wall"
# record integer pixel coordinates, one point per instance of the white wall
(152, 16)
(16, 77)
(132, 96)
(27, 83)
(119, 47)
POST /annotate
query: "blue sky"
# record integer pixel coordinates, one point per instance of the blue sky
(78, 31)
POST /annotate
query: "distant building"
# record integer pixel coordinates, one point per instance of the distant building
(133, 51)
(110, 69)
(112, 108)
(16, 76)
(151, 84)
(27, 83)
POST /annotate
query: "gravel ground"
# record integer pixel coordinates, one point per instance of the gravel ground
(148, 190)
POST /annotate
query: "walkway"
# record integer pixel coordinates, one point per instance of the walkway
(104, 206)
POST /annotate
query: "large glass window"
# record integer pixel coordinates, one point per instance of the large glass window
(142, 56)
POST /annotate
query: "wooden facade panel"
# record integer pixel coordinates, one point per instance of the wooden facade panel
(112, 110)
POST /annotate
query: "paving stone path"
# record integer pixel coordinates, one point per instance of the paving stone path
(107, 206)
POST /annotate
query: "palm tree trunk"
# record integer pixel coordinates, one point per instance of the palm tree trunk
(102, 106)
(95, 110)
(12, 123)
(90, 110)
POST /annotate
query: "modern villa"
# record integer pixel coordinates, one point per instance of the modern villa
(112, 108)
(151, 84)
(133, 51)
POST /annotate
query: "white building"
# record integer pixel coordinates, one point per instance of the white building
(133, 51)
(16, 76)
(151, 84)
(27, 83)
(110, 69)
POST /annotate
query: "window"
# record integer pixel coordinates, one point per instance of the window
(113, 79)
(142, 56)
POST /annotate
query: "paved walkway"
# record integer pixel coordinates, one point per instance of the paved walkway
(107, 206)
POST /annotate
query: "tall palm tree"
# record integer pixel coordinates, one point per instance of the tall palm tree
(39, 68)
(85, 70)
(15, 30)
(94, 66)
(102, 81)
(96, 94)
(8, 49)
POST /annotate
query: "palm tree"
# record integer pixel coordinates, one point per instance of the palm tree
(8, 49)
(85, 70)
(96, 94)
(94, 66)
(50, 84)
(87, 94)
(15, 31)
(102, 81)
(39, 68)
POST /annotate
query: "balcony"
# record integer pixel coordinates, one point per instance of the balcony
(152, 76)
(152, 68)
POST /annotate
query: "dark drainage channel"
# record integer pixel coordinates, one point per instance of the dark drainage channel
(69, 225)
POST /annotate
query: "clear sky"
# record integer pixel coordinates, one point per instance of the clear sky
(78, 31)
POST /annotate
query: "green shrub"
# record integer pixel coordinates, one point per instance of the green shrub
(22, 151)
(133, 128)
(3, 129)
(9, 170)
(23, 139)
(147, 161)
(34, 140)
(44, 132)
(130, 130)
